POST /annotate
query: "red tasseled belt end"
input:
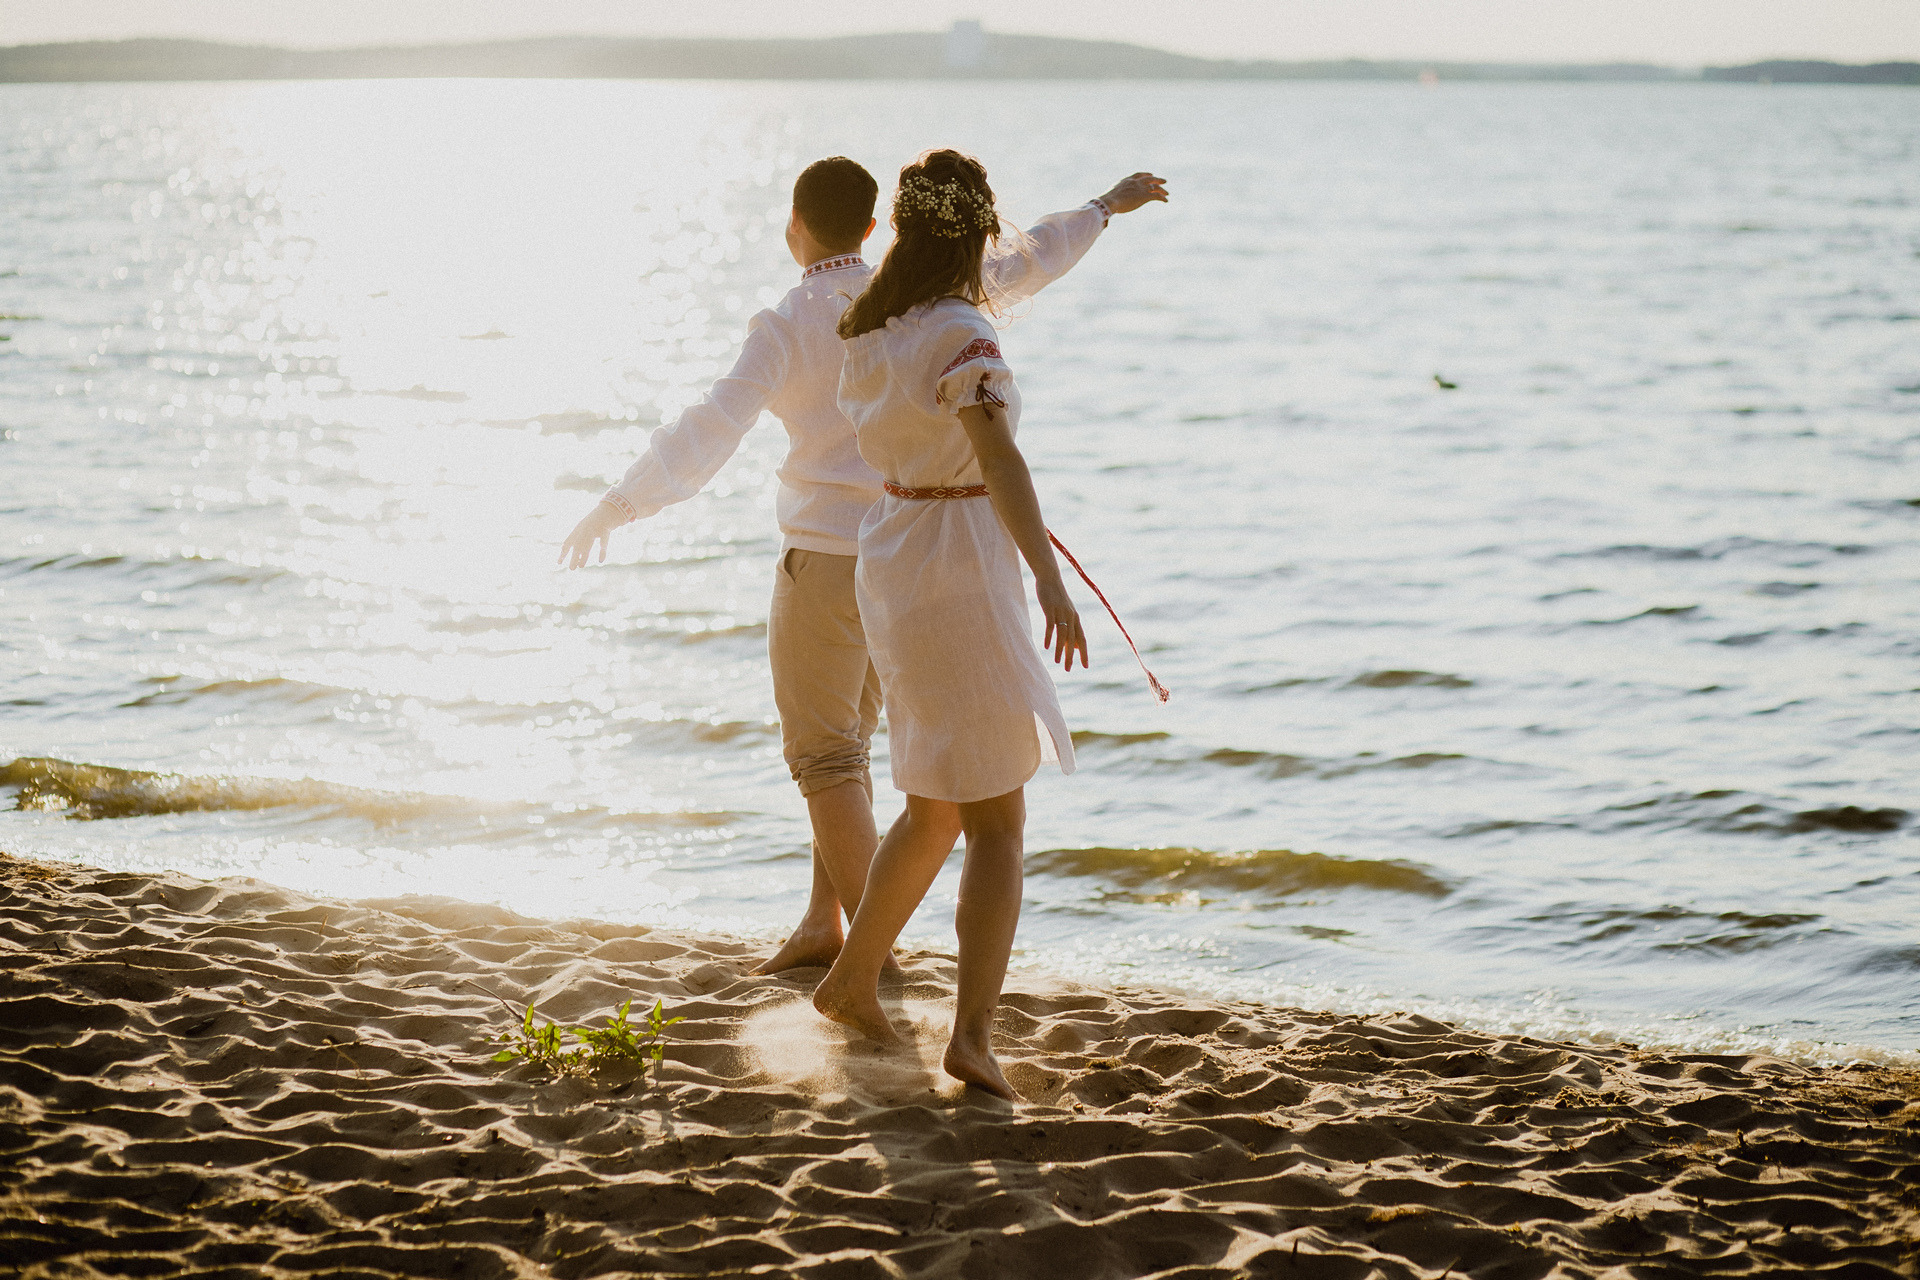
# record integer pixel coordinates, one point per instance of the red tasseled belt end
(980, 491)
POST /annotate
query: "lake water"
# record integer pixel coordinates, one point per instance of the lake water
(1580, 698)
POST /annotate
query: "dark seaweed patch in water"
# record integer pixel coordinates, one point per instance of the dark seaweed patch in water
(1419, 760)
(1740, 940)
(1848, 817)
(1273, 872)
(1716, 549)
(1890, 959)
(1270, 687)
(1401, 679)
(1658, 611)
(1703, 810)
(1274, 764)
(1639, 551)
(1084, 738)
(1892, 506)
(218, 571)
(1727, 931)
(1502, 824)
(275, 689)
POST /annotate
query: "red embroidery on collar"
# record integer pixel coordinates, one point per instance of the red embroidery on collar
(972, 351)
(834, 264)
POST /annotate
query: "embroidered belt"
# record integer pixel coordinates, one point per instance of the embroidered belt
(943, 491)
(980, 491)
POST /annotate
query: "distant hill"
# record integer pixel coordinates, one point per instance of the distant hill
(1819, 73)
(879, 57)
(965, 53)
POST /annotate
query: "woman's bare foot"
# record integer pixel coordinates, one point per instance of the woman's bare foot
(970, 1058)
(804, 948)
(841, 1001)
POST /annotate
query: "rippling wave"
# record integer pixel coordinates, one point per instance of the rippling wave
(1269, 873)
(91, 791)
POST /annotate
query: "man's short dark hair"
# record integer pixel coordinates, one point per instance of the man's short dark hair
(834, 197)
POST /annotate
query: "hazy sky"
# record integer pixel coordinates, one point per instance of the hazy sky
(1672, 31)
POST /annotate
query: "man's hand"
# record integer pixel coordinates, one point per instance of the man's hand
(1130, 193)
(595, 526)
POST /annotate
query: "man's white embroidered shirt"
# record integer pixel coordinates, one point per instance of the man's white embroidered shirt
(790, 364)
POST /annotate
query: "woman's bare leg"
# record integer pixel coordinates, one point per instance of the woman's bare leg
(903, 869)
(989, 910)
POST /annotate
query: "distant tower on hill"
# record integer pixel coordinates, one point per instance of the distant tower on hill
(966, 45)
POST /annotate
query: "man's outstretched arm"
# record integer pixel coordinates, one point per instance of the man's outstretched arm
(1050, 248)
(680, 459)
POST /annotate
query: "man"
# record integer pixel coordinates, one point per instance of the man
(823, 683)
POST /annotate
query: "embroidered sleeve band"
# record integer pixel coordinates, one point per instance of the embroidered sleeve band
(979, 348)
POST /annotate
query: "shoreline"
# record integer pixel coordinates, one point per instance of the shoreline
(228, 1076)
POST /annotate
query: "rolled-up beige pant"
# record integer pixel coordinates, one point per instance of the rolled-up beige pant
(824, 685)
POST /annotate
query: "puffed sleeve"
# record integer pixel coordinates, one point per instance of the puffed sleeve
(974, 374)
(680, 459)
(1019, 266)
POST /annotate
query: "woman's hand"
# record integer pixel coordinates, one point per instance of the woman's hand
(596, 526)
(1010, 489)
(1065, 636)
(1131, 192)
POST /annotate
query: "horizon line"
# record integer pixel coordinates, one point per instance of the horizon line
(556, 37)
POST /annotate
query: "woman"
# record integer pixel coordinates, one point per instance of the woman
(971, 712)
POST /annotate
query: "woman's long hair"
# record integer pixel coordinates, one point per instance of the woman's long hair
(943, 216)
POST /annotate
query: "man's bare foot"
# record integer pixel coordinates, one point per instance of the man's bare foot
(804, 948)
(809, 950)
(843, 1002)
(971, 1059)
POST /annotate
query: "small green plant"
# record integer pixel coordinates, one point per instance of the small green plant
(622, 1040)
(544, 1043)
(536, 1043)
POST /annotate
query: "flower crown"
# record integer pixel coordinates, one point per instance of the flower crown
(950, 209)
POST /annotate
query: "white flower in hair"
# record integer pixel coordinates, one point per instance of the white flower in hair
(950, 209)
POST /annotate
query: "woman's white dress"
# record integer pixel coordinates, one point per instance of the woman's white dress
(971, 711)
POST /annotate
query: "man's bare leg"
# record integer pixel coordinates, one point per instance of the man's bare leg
(989, 910)
(902, 871)
(844, 839)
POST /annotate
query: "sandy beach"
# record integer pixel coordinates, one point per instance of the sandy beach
(226, 1078)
